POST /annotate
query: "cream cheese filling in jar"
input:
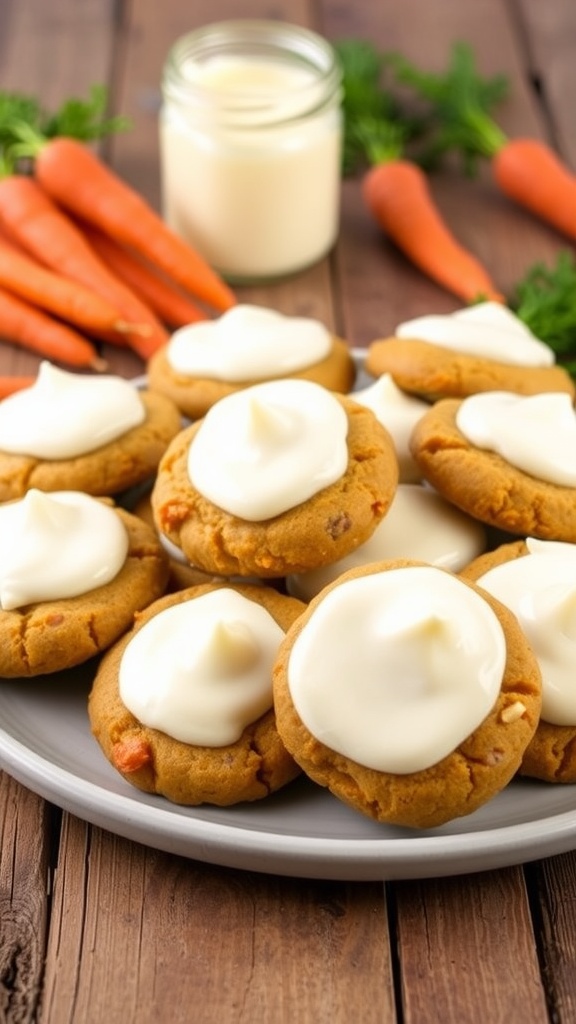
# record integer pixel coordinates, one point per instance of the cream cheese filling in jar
(250, 146)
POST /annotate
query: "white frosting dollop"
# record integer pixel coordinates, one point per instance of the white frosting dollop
(57, 545)
(263, 450)
(399, 413)
(63, 415)
(419, 525)
(248, 343)
(395, 669)
(540, 588)
(488, 330)
(534, 433)
(201, 671)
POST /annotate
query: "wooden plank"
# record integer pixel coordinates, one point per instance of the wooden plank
(550, 31)
(468, 943)
(24, 882)
(54, 51)
(554, 882)
(162, 937)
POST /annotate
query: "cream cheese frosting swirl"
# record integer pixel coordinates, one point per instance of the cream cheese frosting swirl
(394, 669)
(201, 671)
(64, 415)
(540, 588)
(248, 343)
(58, 545)
(534, 433)
(263, 450)
(488, 330)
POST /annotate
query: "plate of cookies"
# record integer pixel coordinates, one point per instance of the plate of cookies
(314, 616)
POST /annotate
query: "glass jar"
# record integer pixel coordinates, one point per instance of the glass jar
(250, 146)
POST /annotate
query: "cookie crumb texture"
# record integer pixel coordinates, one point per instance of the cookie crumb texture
(53, 635)
(457, 785)
(195, 396)
(434, 372)
(487, 487)
(319, 531)
(250, 769)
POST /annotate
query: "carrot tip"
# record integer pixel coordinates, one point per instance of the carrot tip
(125, 327)
(99, 364)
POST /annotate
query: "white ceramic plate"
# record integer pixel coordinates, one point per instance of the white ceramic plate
(45, 743)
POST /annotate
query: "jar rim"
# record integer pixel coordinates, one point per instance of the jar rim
(262, 38)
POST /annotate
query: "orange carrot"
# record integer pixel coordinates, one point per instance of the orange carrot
(527, 170)
(77, 179)
(46, 232)
(10, 384)
(24, 276)
(398, 196)
(531, 174)
(31, 328)
(395, 189)
(168, 302)
(130, 754)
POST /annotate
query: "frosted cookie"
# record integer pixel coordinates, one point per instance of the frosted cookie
(206, 361)
(409, 693)
(70, 431)
(182, 705)
(509, 460)
(278, 478)
(419, 525)
(480, 348)
(537, 581)
(73, 572)
(398, 412)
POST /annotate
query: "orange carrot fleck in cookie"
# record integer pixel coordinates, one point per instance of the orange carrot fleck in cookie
(131, 754)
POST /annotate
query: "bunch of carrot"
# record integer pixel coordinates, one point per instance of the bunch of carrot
(396, 189)
(84, 258)
(527, 170)
(377, 133)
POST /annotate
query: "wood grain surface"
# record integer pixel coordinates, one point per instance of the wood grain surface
(94, 928)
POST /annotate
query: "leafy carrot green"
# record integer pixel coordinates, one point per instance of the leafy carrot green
(22, 117)
(544, 300)
(395, 189)
(526, 170)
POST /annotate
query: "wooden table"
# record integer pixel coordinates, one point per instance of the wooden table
(97, 928)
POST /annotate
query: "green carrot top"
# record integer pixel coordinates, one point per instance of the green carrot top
(25, 124)
(544, 301)
(376, 129)
(459, 101)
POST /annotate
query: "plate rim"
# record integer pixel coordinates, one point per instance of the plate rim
(235, 846)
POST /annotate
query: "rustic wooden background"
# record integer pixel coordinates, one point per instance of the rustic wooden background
(94, 928)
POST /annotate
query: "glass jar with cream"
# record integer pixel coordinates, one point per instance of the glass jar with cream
(250, 143)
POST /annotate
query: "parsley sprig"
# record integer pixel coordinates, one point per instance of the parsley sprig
(544, 300)
(459, 101)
